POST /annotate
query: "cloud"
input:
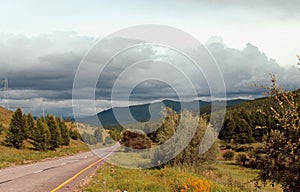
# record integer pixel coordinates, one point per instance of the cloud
(281, 8)
(41, 71)
(242, 68)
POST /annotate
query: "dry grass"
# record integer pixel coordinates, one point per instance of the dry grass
(5, 117)
(11, 156)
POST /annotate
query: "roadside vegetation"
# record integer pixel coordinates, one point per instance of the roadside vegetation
(259, 150)
(24, 139)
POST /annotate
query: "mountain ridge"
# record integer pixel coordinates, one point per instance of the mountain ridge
(151, 111)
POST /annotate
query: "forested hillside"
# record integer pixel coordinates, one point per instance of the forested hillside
(249, 121)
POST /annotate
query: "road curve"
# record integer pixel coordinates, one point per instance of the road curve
(48, 175)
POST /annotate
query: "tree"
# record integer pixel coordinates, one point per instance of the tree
(281, 163)
(227, 131)
(16, 132)
(115, 133)
(65, 133)
(74, 134)
(26, 129)
(167, 129)
(41, 136)
(30, 125)
(243, 132)
(184, 124)
(98, 135)
(55, 138)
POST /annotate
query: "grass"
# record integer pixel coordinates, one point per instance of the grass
(11, 156)
(224, 177)
(128, 159)
(112, 178)
(240, 177)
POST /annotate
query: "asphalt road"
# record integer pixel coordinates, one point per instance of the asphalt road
(48, 175)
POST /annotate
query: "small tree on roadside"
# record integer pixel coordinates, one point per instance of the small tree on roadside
(16, 133)
(282, 144)
(41, 136)
(65, 133)
(30, 125)
(55, 138)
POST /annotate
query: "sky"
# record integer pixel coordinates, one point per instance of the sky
(43, 42)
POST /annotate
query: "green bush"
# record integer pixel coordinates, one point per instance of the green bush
(241, 159)
(228, 155)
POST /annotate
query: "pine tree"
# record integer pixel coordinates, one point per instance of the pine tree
(25, 126)
(55, 138)
(65, 133)
(41, 136)
(30, 125)
(16, 132)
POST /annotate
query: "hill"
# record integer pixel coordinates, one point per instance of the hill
(151, 111)
(5, 116)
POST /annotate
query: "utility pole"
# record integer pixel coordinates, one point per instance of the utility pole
(5, 90)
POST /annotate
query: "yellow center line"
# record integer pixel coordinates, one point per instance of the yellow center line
(76, 175)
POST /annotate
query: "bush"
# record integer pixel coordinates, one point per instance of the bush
(241, 159)
(243, 148)
(135, 140)
(256, 158)
(228, 155)
(197, 185)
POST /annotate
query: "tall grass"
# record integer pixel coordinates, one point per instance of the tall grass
(113, 178)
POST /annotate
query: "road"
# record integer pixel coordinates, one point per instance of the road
(53, 174)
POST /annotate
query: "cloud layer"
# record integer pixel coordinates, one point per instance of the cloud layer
(41, 71)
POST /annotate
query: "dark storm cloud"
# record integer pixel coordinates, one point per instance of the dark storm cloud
(42, 66)
(45, 67)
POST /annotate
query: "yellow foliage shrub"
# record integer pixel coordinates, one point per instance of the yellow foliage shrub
(197, 185)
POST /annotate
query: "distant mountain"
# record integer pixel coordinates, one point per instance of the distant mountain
(151, 111)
